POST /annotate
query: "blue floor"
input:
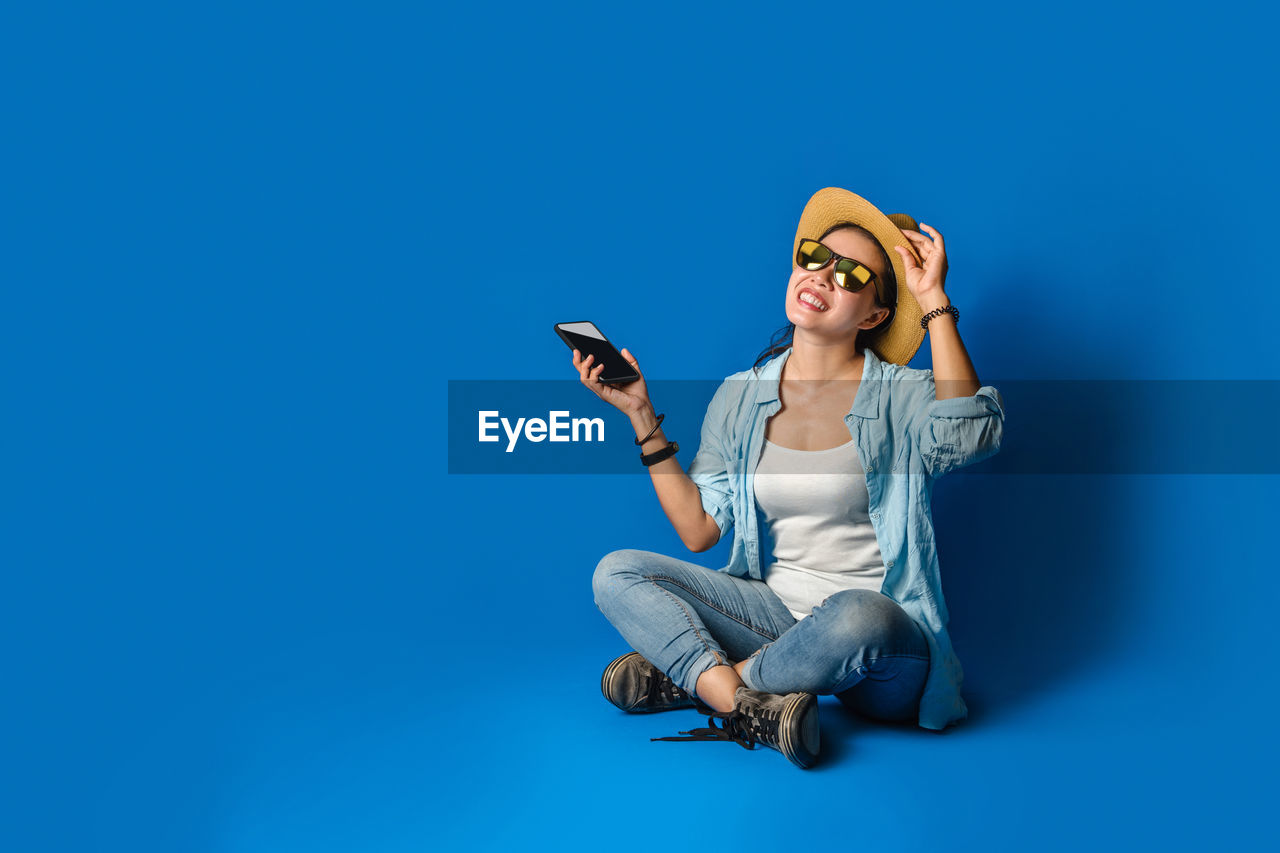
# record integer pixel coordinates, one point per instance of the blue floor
(1120, 704)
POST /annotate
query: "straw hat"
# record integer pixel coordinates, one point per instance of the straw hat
(901, 337)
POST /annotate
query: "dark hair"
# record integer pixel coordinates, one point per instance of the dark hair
(783, 337)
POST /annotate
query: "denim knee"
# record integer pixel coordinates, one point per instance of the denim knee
(863, 618)
(612, 566)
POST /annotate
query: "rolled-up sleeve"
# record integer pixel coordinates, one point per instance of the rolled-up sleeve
(710, 467)
(959, 431)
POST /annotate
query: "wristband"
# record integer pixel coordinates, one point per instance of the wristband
(659, 455)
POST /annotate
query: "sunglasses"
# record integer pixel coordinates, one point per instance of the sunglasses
(850, 274)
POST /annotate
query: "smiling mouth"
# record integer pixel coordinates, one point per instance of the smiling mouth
(812, 300)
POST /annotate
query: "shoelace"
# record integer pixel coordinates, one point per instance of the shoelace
(661, 687)
(746, 730)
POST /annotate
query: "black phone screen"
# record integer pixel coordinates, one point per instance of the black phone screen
(588, 340)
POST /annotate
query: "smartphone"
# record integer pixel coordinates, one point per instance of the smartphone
(589, 340)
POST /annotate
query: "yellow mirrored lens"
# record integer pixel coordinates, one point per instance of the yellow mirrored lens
(812, 254)
(852, 275)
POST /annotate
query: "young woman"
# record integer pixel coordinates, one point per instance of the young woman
(822, 461)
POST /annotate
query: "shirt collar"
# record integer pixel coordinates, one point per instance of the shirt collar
(866, 404)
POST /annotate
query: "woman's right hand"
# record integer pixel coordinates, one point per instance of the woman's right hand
(632, 401)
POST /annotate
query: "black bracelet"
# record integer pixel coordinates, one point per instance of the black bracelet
(640, 441)
(938, 312)
(658, 455)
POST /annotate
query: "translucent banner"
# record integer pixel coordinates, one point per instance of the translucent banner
(1050, 426)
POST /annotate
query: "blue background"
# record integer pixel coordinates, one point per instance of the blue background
(246, 608)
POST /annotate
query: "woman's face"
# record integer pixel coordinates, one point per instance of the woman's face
(840, 313)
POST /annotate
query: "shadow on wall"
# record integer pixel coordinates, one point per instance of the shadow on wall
(1034, 564)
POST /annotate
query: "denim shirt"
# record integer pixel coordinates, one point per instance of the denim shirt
(906, 439)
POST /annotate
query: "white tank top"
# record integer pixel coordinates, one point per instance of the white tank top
(815, 502)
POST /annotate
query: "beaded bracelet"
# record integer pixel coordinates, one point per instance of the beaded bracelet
(938, 312)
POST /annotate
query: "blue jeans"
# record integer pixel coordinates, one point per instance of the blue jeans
(684, 619)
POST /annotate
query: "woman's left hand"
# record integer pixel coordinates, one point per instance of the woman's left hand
(925, 277)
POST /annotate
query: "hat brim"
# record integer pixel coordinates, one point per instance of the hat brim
(901, 339)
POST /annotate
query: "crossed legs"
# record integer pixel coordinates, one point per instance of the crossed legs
(711, 632)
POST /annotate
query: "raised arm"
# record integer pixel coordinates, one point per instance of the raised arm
(681, 498)
(953, 372)
(965, 421)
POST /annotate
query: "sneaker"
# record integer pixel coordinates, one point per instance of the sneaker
(788, 724)
(639, 687)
